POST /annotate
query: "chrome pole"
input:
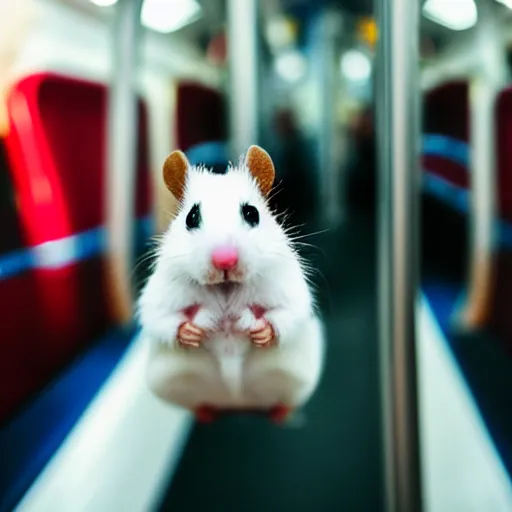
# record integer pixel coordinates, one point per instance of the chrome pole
(329, 29)
(122, 155)
(398, 131)
(489, 78)
(244, 76)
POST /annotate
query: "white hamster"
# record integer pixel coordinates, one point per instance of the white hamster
(227, 309)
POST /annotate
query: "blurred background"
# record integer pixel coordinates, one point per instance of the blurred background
(84, 130)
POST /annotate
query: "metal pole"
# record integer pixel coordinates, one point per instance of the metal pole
(243, 53)
(398, 131)
(490, 76)
(328, 30)
(122, 156)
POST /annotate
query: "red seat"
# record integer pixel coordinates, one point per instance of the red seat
(501, 320)
(201, 115)
(446, 114)
(447, 110)
(57, 145)
(446, 133)
(504, 153)
(20, 320)
(56, 149)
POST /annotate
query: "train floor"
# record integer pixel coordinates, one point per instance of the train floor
(330, 462)
(482, 358)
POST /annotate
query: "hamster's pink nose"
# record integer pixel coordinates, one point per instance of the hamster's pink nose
(225, 258)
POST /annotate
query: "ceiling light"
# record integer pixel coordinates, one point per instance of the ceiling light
(453, 14)
(506, 3)
(356, 66)
(169, 15)
(104, 3)
(281, 32)
(290, 66)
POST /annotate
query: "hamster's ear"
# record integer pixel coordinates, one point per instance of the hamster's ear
(261, 167)
(175, 173)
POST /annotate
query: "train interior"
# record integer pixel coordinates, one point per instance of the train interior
(79, 429)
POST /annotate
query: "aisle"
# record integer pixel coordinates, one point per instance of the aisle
(333, 461)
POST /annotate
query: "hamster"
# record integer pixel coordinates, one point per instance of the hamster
(227, 309)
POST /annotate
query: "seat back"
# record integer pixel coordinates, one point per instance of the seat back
(503, 115)
(56, 148)
(20, 347)
(201, 125)
(501, 320)
(446, 180)
(200, 115)
(446, 131)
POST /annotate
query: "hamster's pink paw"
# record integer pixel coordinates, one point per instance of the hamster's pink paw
(189, 335)
(263, 334)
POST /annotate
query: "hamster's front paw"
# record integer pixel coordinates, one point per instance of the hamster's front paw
(190, 336)
(263, 334)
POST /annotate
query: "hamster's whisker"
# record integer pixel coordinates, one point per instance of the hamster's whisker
(310, 234)
(283, 217)
(303, 246)
(170, 214)
(144, 259)
(293, 231)
(174, 257)
(278, 188)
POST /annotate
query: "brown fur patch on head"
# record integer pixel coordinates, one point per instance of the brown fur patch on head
(261, 167)
(175, 173)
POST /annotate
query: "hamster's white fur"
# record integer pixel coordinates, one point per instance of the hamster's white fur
(227, 370)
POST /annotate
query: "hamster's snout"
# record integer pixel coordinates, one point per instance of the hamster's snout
(225, 258)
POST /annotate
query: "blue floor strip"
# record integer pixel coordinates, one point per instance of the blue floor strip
(483, 363)
(29, 441)
(442, 296)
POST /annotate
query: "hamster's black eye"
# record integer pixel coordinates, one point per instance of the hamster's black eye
(193, 220)
(250, 215)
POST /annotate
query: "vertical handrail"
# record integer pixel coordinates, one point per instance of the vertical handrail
(477, 307)
(398, 131)
(122, 157)
(244, 76)
(489, 76)
(329, 30)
